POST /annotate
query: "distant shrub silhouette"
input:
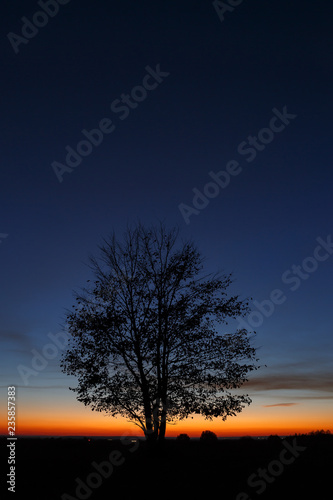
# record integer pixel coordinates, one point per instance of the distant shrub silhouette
(183, 438)
(319, 433)
(208, 437)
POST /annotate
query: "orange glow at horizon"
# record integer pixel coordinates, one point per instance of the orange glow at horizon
(57, 428)
(255, 421)
(55, 413)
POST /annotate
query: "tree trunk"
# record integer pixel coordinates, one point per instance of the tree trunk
(151, 436)
(149, 431)
(161, 434)
(162, 429)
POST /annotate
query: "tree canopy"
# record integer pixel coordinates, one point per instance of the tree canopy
(144, 339)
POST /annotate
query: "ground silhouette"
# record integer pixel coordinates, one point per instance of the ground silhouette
(237, 469)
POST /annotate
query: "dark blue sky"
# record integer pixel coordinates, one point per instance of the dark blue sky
(224, 80)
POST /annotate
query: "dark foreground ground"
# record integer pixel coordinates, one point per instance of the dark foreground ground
(241, 469)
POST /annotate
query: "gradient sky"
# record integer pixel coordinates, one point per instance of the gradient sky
(225, 78)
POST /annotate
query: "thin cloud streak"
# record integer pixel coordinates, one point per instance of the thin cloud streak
(291, 381)
(280, 404)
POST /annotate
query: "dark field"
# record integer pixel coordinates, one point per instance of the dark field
(239, 469)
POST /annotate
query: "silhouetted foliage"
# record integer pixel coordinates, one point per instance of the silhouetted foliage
(144, 343)
(208, 437)
(319, 433)
(183, 438)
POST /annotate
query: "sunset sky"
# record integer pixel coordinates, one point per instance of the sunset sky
(226, 131)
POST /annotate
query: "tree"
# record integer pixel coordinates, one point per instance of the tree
(208, 437)
(143, 342)
(183, 438)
